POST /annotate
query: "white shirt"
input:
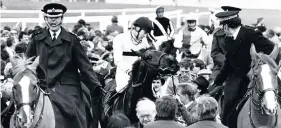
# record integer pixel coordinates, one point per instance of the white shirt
(236, 33)
(195, 40)
(57, 33)
(124, 43)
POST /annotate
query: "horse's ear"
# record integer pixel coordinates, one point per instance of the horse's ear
(274, 52)
(35, 63)
(253, 52)
(137, 52)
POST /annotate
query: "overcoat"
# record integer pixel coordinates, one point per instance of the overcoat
(59, 66)
(236, 66)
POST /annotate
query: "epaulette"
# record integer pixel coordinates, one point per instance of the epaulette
(36, 32)
(218, 32)
(252, 27)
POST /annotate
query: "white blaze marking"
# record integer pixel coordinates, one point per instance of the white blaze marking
(267, 82)
(25, 83)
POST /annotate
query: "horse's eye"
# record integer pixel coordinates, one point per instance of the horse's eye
(148, 57)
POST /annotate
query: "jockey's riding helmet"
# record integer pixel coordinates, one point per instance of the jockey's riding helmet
(191, 17)
(144, 23)
(54, 10)
(159, 9)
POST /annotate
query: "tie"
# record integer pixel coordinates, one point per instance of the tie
(54, 36)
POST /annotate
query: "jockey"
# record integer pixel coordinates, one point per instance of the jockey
(191, 37)
(163, 27)
(123, 44)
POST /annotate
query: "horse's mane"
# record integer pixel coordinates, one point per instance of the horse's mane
(135, 70)
(20, 63)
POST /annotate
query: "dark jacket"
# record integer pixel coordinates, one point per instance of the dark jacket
(164, 124)
(206, 124)
(218, 50)
(238, 59)
(235, 69)
(58, 70)
(60, 60)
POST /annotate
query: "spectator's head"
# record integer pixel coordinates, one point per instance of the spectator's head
(5, 33)
(23, 37)
(166, 108)
(76, 28)
(82, 22)
(269, 33)
(157, 84)
(146, 111)
(160, 11)
(206, 73)
(3, 43)
(7, 28)
(4, 55)
(277, 30)
(198, 65)
(186, 67)
(207, 108)
(37, 27)
(21, 47)
(98, 33)
(10, 41)
(114, 19)
(118, 120)
(202, 85)
(186, 92)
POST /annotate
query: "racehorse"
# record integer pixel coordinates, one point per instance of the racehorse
(152, 63)
(32, 105)
(261, 109)
(168, 47)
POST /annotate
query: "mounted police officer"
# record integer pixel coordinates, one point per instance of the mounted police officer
(62, 58)
(237, 64)
(163, 27)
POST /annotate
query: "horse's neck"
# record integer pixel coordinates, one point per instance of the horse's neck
(259, 118)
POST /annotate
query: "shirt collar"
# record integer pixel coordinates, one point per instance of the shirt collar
(236, 33)
(57, 33)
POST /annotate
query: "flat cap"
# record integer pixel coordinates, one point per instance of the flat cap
(54, 10)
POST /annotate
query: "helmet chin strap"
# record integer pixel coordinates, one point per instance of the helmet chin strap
(50, 25)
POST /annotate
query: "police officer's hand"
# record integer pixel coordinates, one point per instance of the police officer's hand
(214, 89)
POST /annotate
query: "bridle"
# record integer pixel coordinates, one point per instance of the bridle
(258, 105)
(32, 104)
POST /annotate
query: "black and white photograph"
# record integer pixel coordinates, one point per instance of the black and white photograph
(140, 63)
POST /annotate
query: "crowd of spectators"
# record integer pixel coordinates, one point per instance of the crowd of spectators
(182, 99)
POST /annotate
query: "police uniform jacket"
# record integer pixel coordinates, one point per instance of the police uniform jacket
(61, 59)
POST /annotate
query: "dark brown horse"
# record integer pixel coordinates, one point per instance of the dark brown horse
(151, 64)
(261, 109)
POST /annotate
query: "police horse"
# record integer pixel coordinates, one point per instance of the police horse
(32, 105)
(261, 109)
(152, 63)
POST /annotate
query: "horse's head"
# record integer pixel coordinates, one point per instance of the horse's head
(168, 47)
(264, 77)
(25, 90)
(159, 61)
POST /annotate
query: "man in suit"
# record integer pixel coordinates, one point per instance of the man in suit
(166, 108)
(62, 58)
(237, 64)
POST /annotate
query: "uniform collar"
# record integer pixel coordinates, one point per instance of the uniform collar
(57, 33)
(65, 35)
(236, 33)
